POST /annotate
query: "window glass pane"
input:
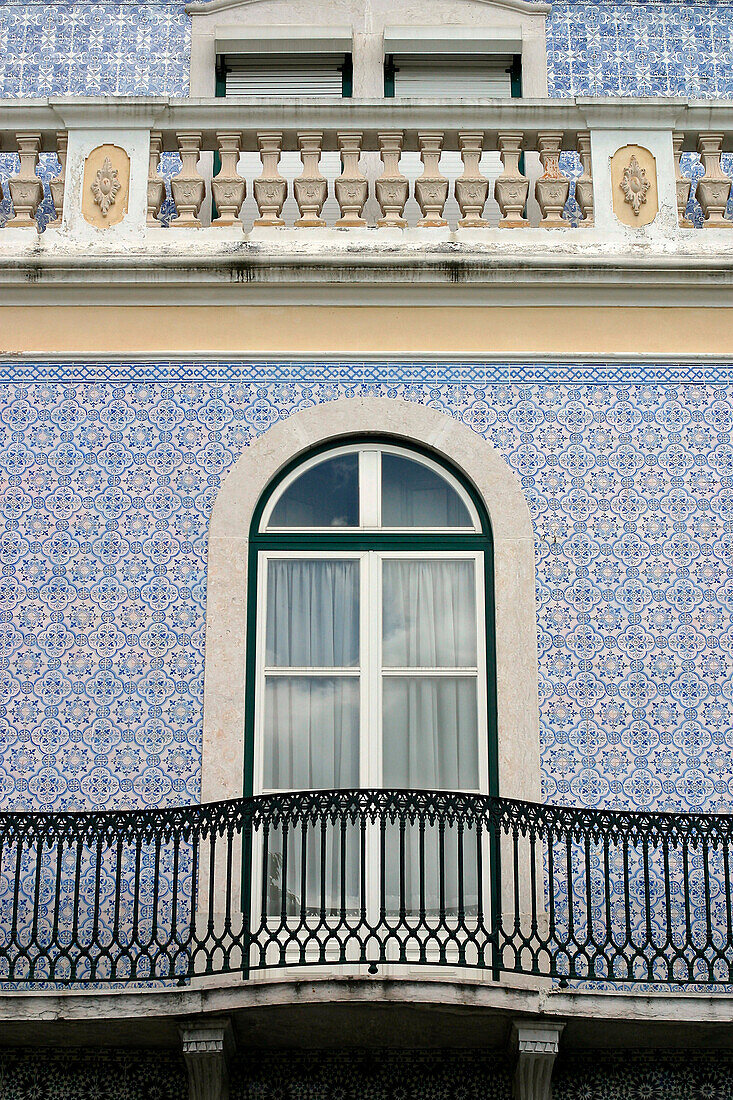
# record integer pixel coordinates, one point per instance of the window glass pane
(430, 732)
(311, 732)
(429, 614)
(327, 495)
(415, 496)
(312, 613)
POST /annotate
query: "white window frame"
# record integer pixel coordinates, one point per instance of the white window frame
(371, 670)
(370, 496)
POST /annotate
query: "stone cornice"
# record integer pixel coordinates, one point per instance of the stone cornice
(208, 7)
(518, 272)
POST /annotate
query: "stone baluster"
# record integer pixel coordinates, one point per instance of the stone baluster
(511, 188)
(714, 187)
(270, 188)
(552, 188)
(351, 187)
(58, 183)
(472, 188)
(431, 189)
(584, 182)
(188, 186)
(156, 184)
(682, 183)
(26, 189)
(310, 187)
(228, 187)
(391, 187)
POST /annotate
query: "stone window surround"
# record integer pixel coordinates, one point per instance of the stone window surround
(528, 17)
(514, 578)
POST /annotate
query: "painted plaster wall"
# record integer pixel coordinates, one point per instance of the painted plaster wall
(594, 48)
(108, 474)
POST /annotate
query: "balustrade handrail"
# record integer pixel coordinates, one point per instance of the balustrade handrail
(366, 878)
(56, 113)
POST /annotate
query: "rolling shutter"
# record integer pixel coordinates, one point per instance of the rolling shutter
(299, 74)
(423, 76)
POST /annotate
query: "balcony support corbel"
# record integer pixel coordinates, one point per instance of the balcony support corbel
(208, 1046)
(536, 1044)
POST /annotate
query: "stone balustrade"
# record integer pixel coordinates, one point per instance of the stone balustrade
(138, 166)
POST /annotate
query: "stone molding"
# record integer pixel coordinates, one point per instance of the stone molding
(514, 571)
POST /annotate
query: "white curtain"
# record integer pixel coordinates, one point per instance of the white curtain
(311, 726)
(430, 722)
(413, 495)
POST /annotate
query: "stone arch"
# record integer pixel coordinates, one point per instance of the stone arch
(514, 578)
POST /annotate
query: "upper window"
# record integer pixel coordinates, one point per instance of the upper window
(370, 488)
(453, 62)
(255, 62)
(251, 77)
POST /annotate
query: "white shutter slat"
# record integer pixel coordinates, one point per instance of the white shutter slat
(470, 78)
(306, 75)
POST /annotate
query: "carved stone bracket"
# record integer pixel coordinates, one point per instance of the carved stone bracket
(536, 1044)
(207, 1049)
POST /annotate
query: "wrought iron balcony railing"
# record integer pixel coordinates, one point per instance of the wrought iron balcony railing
(337, 879)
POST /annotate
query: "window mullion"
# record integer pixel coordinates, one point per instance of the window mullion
(369, 487)
(365, 718)
(375, 670)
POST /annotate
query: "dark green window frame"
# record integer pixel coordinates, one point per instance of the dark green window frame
(373, 540)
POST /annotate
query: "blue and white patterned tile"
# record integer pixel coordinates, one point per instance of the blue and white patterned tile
(662, 47)
(107, 490)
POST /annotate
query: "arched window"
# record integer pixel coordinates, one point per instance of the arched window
(370, 626)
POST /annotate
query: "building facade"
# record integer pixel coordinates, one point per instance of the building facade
(366, 722)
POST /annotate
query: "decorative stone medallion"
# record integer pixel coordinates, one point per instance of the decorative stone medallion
(634, 186)
(106, 186)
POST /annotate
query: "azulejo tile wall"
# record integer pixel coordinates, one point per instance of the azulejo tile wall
(108, 473)
(130, 47)
(365, 1075)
